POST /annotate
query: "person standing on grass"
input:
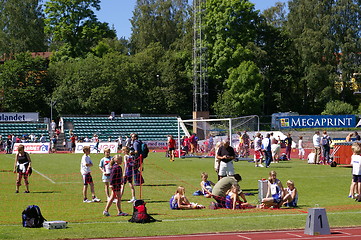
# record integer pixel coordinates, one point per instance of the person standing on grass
(266, 148)
(301, 150)
(258, 150)
(317, 146)
(171, 147)
(85, 165)
(22, 167)
(129, 164)
(116, 184)
(288, 142)
(355, 187)
(326, 141)
(226, 155)
(105, 169)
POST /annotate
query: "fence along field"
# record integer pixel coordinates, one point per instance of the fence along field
(56, 187)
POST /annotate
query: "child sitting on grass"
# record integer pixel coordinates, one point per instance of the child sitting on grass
(291, 197)
(206, 185)
(233, 201)
(275, 192)
(179, 201)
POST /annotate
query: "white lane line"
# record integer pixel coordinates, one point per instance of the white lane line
(44, 176)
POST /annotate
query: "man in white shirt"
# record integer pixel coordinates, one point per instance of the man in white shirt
(317, 146)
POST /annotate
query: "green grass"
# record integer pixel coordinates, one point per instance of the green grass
(58, 192)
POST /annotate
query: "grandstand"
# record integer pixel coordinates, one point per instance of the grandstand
(18, 129)
(148, 128)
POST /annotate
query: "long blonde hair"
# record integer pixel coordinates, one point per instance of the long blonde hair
(180, 190)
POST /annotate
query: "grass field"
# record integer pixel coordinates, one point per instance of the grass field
(57, 188)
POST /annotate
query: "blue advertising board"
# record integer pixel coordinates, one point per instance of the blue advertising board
(318, 121)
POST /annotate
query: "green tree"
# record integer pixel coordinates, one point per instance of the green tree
(346, 26)
(162, 21)
(310, 24)
(21, 27)
(26, 84)
(73, 26)
(244, 94)
(230, 25)
(338, 107)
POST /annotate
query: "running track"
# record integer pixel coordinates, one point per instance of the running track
(336, 233)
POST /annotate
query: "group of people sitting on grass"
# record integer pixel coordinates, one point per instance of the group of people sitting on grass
(228, 194)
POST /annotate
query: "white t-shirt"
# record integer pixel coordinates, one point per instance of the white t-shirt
(300, 143)
(84, 169)
(316, 140)
(356, 164)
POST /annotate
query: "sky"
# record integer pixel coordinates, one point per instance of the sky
(119, 12)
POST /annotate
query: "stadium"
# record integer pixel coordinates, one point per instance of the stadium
(221, 78)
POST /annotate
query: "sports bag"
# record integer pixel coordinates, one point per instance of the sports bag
(32, 217)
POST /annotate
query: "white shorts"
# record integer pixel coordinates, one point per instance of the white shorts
(301, 151)
(226, 169)
(276, 149)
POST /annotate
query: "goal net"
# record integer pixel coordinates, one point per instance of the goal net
(211, 131)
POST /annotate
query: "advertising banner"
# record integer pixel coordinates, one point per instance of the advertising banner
(33, 147)
(113, 146)
(19, 117)
(318, 121)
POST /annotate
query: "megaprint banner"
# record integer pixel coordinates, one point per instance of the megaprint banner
(318, 121)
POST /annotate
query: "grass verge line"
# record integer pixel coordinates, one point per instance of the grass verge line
(44, 176)
(219, 218)
(195, 219)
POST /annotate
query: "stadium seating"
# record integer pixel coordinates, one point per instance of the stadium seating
(148, 128)
(18, 129)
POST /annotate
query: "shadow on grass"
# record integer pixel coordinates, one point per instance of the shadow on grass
(159, 185)
(48, 192)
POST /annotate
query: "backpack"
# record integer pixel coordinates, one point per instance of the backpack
(32, 217)
(324, 141)
(140, 214)
(144, 149)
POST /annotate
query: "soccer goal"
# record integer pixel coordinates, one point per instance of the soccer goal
(211, 131)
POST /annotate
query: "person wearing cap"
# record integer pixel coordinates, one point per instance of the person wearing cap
(226, 155)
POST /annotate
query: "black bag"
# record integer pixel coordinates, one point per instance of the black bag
(140, 214)
(32, 217)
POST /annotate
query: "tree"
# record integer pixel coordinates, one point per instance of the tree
(338, 108)
(230, 25)
(21, 27)
(244, 94)
(73, 26)
(162, 21)
(26, 84)
(311, 25)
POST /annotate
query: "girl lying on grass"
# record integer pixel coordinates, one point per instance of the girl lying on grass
(179, 201)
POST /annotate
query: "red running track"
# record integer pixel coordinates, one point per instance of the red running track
(336, 233)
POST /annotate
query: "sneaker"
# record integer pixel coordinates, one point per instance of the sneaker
(132, 200)
(261, 165)
(87, 201)
(256, 165)
(95, 199)
(16, 191)
(105, 213)
(122, 214)
(350, 196)
(27, 192)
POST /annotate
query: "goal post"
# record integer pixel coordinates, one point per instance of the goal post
(219, 129)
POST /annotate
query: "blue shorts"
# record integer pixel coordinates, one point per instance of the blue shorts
(277, 198)
(87, 179)
(356, 178)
